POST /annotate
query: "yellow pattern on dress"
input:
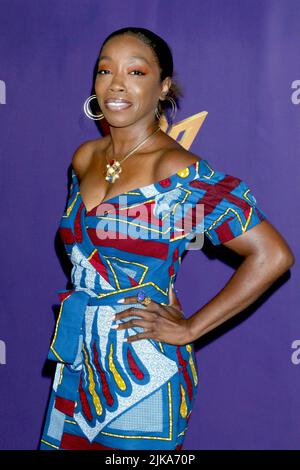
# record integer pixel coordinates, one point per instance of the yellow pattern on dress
(183, 405)
(192, 365)
(95, 397)
(119, 381)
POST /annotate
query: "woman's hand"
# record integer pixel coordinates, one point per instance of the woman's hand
(160, 322)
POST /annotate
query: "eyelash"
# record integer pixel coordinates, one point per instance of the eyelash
(104, 70)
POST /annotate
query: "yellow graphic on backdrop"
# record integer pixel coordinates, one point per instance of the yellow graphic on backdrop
(188, 127)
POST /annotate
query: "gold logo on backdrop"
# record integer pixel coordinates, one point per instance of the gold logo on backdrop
(188, 127)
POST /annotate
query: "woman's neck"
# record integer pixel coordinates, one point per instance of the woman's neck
(123, 139)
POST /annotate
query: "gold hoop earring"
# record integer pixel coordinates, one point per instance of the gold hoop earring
(157, 113)
(88, 112)
(174, 107)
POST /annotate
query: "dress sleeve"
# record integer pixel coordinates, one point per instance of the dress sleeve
(229, 207)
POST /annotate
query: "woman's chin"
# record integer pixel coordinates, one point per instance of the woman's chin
(119, 121)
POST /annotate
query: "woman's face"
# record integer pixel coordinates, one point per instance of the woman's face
(128, 83)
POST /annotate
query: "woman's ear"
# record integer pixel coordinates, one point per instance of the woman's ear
(166, 85)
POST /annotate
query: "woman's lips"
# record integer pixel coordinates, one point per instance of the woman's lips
(117, 105)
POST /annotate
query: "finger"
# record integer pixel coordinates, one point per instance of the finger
(134, 299)
(169, 311)
(128, 300)
(137, 337)
(161, 310)
(132, 311)
(132, 323)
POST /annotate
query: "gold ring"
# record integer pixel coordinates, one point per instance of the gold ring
(146, 301)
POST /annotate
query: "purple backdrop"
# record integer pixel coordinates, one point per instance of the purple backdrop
(240, 62)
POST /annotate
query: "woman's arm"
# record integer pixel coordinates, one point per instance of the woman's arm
(267, 257)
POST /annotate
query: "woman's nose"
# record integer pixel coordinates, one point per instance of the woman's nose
(117, 84)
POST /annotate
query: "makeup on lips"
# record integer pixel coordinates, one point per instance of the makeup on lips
(117, 104)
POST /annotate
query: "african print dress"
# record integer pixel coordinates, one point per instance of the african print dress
(108, 393)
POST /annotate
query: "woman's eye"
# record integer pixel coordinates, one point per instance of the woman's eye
(133, 71)
(138, 71)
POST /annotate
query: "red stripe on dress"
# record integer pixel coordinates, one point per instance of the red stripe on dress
(171, 270)
(132, 281)
(214, 195)
(237, 201)
(141, 212)
(100, 208)
(64, 295)
(139, 246)
(105, 387)
(77, 224)
(200, 185)
(186, 376)
(95, 261)
(84, 402)
(65, 406)
(67, 236)
(218, 191)
(133, 365)
(71, 442)
(224, 232)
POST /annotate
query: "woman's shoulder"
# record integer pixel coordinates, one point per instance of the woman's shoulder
(84, 153)
(173, 160)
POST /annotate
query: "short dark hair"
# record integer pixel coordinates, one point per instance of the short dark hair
(163, 55)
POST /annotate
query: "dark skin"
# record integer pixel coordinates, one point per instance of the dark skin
(266, 254)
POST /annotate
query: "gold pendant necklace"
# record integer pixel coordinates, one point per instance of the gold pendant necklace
(114, 166)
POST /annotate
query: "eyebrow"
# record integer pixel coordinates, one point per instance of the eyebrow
(131, 57)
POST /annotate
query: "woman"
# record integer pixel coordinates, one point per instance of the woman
(126, 376)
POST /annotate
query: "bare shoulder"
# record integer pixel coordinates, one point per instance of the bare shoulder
(174, 160)
(83, 155)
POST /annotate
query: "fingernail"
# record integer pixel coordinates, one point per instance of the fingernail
(113, 317)
(114, 326)
(120, 301)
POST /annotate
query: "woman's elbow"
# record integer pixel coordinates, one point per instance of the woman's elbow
(282, 261)
(275, 248)
(287, 259)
